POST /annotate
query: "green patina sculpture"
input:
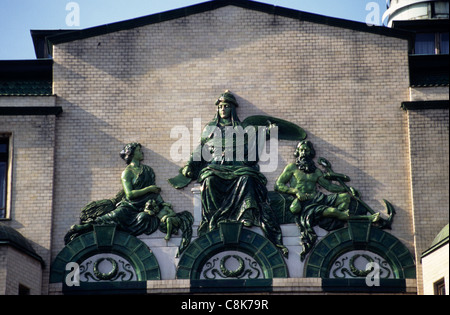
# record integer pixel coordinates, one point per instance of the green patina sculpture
(310, 206)
(129, 209)
(171, 222)
(233, 188)
(165, 214)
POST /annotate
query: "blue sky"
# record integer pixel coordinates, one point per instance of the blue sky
(18, 17)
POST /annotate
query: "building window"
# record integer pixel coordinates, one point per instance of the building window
(439, 10)
(425, 44)
(4, 166)
(443, 43)
(23, 290)
(431, 44)
(439, 287)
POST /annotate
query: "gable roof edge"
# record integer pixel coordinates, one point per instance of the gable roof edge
(65, 36)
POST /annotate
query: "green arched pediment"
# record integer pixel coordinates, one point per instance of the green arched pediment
(360, 235)
(106, 239)
(231, 237)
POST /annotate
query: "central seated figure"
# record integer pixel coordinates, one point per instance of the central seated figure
(226, 164)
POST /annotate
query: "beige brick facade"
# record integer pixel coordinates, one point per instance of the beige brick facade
(19, 270)
(428, 136)
(343, 86)
(435, 267)
(31, 183)
(428, 130)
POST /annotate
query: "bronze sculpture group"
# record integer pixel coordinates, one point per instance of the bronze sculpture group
(232, 187)
(138, 207)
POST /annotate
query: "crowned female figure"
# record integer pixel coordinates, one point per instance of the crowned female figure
(233, 189)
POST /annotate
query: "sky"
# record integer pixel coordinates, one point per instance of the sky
(18, 17)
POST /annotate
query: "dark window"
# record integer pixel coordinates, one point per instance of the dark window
(4, 156)
(431, 44)
(23, 290)
(425, 44)
(439, 10)
(439, 287)
(443, 43)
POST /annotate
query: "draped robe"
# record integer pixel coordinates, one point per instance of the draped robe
(234, 189)
(128, 214)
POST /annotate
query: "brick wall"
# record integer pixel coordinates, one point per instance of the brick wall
(3, 269)
(435, 266)
(344, 87)
(17, 268)
(33, 144)
(428, 131)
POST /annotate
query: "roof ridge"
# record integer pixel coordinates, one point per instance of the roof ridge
(72, 35)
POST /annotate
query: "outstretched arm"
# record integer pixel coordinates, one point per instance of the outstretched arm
(282, 182)
(325, 183)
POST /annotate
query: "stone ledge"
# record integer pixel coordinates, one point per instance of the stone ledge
(168, 286)
(297, 285)
(279, 286)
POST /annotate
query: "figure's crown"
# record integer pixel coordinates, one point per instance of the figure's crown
(227, 97)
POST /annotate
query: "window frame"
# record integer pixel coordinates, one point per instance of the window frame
(5, 214)
(440, 42)
(23, 290)
(437, 43)
(439, 287)
(435, 13)
(429, 35)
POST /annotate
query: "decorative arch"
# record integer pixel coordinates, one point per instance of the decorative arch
(360, 235)
(107, 239)
(231, 237)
